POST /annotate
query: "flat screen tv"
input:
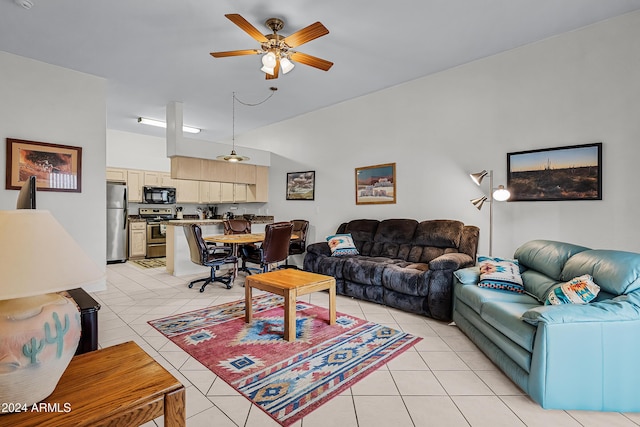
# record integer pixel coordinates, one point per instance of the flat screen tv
(27, 194)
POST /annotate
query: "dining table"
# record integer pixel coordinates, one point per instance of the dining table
(235, 240)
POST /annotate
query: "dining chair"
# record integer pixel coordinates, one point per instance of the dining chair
(209, 255)
(298, 245)
(240, 226)
(274, 248)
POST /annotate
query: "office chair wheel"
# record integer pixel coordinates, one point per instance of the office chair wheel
(190, 285)
(202, 289)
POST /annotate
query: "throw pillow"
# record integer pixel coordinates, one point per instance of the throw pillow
(579, 290)
(499, 273)
(342, 244)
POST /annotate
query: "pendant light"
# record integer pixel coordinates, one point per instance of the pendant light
(233, 157)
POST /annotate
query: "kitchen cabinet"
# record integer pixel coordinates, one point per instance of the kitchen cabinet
(220, 171)
(260, 191)
(245, 174)
(114, 174)
(166, 180)
(187, 191)
(186, 168)
(239, 192)
(135, 178)
(210, 192)
(226, 192)
(137, 240)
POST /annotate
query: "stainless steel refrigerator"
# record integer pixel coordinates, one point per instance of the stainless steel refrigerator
(116, 222)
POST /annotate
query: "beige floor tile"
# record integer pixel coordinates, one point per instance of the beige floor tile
(476, 360)
(533, 415)
(486, 411)
(443, 361)
(379, 382)
(381, 411)
(499, 383)
(434, 411)
(408, 361)
(235, 407)
(196, 402)
(462, 383)
(417, 383)
(596, 419)
(210, 417)
(339, 411)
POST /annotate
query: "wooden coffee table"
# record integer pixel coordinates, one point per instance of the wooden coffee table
(290, 283)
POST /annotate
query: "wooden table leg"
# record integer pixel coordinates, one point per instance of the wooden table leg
(174, 409)
(332, 304)
(248, 308)
(290, 297)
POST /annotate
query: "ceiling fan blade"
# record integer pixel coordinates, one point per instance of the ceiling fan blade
(312, 61)
(276, 71)
(306, 34)
(235, 53)
(247, 27)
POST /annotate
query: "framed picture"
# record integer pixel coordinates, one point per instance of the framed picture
(301, 185)
(56, 167)
(562, 173)
(376, 184)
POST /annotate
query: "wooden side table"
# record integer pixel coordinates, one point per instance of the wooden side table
(115, 386)
(290, 284)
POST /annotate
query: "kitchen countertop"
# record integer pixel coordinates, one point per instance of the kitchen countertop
(183, 222)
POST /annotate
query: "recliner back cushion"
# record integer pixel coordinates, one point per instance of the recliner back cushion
(362, 232)
(546, 256)
(393, 238)
(616, 272)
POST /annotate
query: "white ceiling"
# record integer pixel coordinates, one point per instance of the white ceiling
(153, 52)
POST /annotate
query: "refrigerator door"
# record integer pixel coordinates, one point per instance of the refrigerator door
(116, 222)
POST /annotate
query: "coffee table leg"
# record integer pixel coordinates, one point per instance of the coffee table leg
(248, 309)
(332, 304)
(290, 315)
(174, 409)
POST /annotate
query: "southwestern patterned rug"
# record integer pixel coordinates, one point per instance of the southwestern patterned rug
(287, 380)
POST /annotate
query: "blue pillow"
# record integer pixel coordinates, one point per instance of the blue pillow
(342, 244)
(499, 273)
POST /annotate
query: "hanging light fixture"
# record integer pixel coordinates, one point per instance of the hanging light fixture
(233, 157)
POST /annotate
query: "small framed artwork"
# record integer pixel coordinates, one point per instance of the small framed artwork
(561, 173)
(56, 167)
(376, 184)
(301, 185)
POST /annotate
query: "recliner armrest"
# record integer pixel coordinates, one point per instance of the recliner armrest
(451, 261)
(319, 248)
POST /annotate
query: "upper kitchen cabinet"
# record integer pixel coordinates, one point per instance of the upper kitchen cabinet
(245, 174)
(158, 179)
(186, 168)
(187, 191)
(259, 192)
(114, 174)
(135, 179)
(214, 170)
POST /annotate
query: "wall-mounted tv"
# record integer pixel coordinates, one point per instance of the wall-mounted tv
(27, 194)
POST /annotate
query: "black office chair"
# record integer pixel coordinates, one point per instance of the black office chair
(209, 255)
(274, 248)
(298, 245)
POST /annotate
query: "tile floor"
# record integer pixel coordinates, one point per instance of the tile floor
(443, 381)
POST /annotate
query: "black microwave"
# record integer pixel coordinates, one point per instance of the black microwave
(159, 195)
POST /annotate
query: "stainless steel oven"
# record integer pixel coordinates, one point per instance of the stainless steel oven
(156, 230)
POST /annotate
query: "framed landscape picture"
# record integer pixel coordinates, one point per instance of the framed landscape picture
(301, 185)
(562, 173)
(376, 184)
(56, 167)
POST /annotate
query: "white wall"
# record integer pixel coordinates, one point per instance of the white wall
(45, 103)
(579, 87)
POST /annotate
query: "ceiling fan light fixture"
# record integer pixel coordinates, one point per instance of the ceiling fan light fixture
(286, 65)
(269, 59)
(268, 70)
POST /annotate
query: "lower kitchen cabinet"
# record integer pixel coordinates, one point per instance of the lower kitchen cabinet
(137, 240)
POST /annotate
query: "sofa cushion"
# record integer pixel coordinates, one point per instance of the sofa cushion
(407, 278)
(616, 272)
(499, 273)
(579, 290)
(537, 284)
(341, 244)
(362, 231)
(507, 318)
(365, 270)
(475, 297)
(546, 256)
(393, 238)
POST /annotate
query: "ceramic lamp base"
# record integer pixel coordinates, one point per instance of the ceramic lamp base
(38, 337)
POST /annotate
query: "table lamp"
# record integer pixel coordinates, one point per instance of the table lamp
(39, 328)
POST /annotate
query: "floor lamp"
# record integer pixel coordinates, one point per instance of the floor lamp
(499, 194)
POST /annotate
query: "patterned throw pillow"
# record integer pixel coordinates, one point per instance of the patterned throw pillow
(579, 290)
(342, 244)
(499, 273)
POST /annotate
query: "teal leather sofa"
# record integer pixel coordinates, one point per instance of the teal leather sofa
(571, 356)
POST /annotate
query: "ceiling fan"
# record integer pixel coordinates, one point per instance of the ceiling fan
(277, 49)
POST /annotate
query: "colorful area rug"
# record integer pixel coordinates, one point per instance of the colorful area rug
(287, 380)
(150, 262)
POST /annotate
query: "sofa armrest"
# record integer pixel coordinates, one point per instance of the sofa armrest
(451, 261)
(620, 308)
(319, 248)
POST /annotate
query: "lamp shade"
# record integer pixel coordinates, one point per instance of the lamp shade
(477, 177)
(286, 65)
(38, 256)
(501, 194)
(479, 202)
(269, 60)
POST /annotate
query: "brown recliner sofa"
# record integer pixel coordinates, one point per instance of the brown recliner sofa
(402, 263)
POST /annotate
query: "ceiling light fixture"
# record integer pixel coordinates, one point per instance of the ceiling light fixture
(161, 124)
(233, 157)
